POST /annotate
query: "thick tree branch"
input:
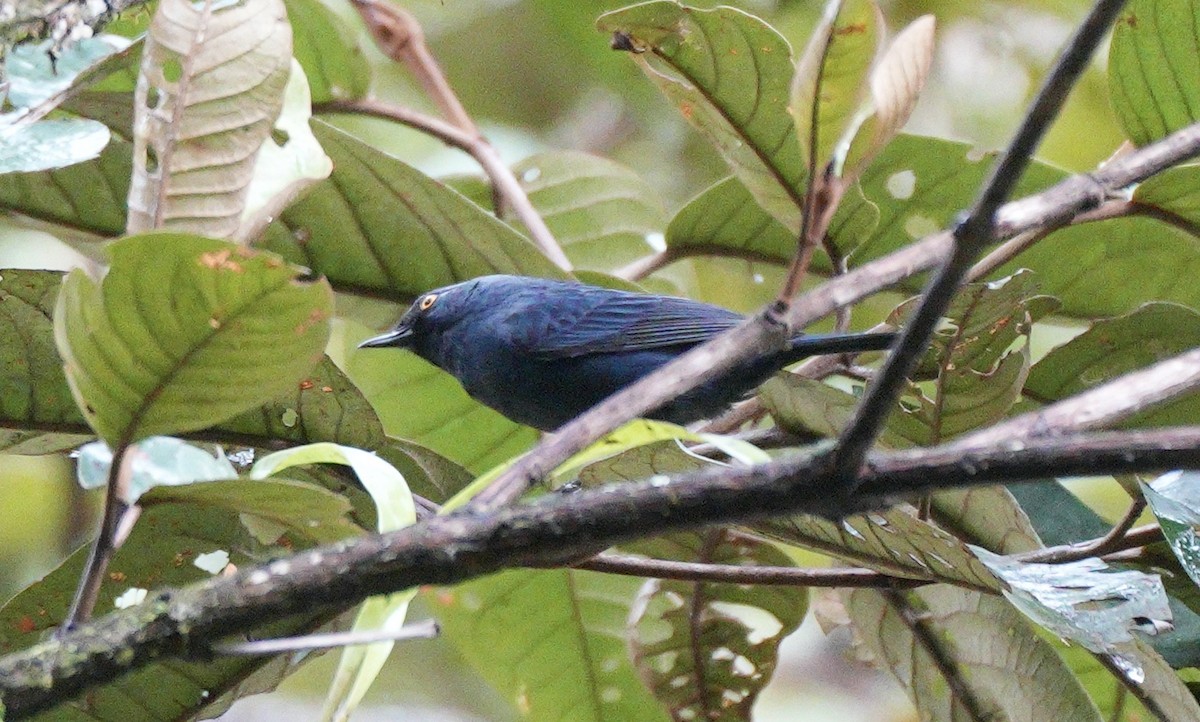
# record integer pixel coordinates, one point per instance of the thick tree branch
(554, 529)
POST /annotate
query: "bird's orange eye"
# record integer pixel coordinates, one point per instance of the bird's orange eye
(427, 302)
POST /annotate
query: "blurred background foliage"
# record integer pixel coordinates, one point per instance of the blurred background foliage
(536, 75)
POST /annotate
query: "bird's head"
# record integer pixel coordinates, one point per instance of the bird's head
(427, 318)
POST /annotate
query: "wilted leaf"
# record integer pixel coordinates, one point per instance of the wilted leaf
(1079, 601)
(209, 91)
(896, 84)
(185, 332)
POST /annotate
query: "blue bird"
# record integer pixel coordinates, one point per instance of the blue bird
(541, 352)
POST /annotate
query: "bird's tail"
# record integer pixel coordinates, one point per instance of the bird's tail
(824, 344)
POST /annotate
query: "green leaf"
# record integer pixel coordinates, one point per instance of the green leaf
(428, 473)
(892, 542)
(831, 80)
(185, 332)
(324, 406)
(728, 73)
(726, 220)
(599, 211)
(36, 407)
(917, 186)
(1154, 67)
(1174, 192)
(178, 527)
(1116, 346)
(210, 88)
(379, 226)
(290, 506)
(552, 642)
(329, 51)
(1173, 499)
(88, 196)
(704, 649)
(359, 664)
(965, 656)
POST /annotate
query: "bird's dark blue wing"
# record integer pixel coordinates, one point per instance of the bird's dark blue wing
(617, 322)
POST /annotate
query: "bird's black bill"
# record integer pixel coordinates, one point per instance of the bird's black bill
(396, 338)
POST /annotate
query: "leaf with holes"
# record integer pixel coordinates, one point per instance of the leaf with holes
(963, 656)
(830, 84)
(707, 649)
(552, 642)
(976, 376)
(185, 332)
(380, 226)
(200, 115)
(729, 73)
(1154, 67)
(893, 542)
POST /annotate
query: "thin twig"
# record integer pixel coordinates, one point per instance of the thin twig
(1119, 539)
(108, 538)
(735, 574)
(971, 236)
(427, 629)
(401, 37)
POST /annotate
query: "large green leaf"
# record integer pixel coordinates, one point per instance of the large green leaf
(1154, 67)
(552, 642)
(185, 332)
(725, 220)
(600, 211)
(210, 88)
(1116, 346)
(36, 407)
(377, 225)
(328, 50)
(729, 74)
(967, 657)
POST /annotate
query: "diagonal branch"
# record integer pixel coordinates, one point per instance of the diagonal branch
(971, 237)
